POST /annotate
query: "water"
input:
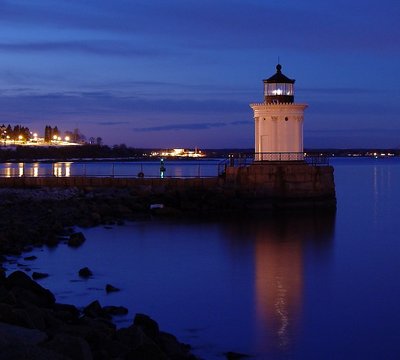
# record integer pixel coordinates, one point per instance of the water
(288, 287)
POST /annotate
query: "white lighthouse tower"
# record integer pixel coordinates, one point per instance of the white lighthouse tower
(278, 121)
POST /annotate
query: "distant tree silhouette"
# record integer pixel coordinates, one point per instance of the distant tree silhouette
(48, 133)
(55, 132)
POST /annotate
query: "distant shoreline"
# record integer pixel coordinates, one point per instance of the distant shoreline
(124, 153)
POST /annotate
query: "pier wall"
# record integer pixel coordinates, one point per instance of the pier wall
(151, 184)
(283, 180)
(260, 186)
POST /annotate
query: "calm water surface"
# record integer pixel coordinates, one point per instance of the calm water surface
(289, 287)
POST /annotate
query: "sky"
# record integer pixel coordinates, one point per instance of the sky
(182, 73)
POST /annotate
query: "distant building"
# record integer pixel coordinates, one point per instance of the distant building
(278, 121)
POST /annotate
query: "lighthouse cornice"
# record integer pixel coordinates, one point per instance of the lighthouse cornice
(264, 109)
(275, 106)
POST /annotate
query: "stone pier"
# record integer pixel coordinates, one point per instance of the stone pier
(257, 187)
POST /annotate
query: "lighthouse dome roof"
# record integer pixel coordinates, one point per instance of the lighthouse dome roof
(278, 77)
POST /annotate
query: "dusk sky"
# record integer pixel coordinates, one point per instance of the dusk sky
(181, 73)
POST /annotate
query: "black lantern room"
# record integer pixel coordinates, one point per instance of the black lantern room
(278, 89)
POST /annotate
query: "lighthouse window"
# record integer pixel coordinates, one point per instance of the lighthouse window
(278, 89)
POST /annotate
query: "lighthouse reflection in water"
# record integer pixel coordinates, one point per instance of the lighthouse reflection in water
(281, 248)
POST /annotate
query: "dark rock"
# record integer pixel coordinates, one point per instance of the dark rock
(71, 346)
(7, 297)
(38, 275)
(19, 279)
(29, 352)
(99, 325)
(146, 351)
(19, 336)
(76, 239)
(25, 297)
(94, 310)
(2, 276)
(31, 317)
(30, 258)
(100, 334)
(71, 310)
(230, 355)
(111, 288)
(115, 310)
(148, 325)
(51, 240)
(173, 348)
(85, 272)
(139, 345)
(7, 315)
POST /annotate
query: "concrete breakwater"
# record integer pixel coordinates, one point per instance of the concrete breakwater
(256, 187)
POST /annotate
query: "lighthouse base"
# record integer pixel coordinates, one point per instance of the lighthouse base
(283, 185)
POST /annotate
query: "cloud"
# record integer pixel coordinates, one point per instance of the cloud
(112, 123)
(222, 24)
(198, 126)
(193, 126)
(94, 47)
(242, 122)
(339, 91)
(352, 131)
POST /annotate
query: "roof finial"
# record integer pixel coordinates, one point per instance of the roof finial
(278, 67)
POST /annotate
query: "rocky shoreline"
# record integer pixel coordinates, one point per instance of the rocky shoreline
(32, 324)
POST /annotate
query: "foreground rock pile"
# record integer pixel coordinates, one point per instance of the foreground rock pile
(34, 326)
(30, 217)
(37, 216)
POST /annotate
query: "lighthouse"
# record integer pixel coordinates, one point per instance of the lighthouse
(278, 121)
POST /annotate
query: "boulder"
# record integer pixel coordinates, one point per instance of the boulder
(85, 272)
(115, 310)
(230, 355)
(39, 275)
(2, 275)
(20, 280)
(173, 348)
(29, 352)
(111, 288)
(139, 345)
(31, 317)
(94, 310)
(17, 335)
(6, 297)
(73, 347)
(76, 239)
(7, 315)
(66, 311)
(148, 325)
